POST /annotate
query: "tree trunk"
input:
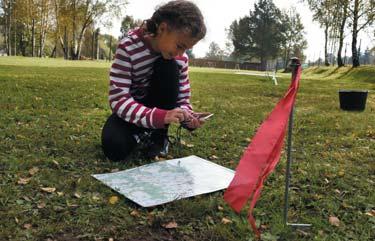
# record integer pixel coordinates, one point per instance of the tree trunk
(22, 45)
(263, 63)
(73, 47)
(9, 37)
(15, 41)
(33, 39)
(53, 54)
(326, 62)
(97, 43)
(355, 34)
(6, 32)
(92, 46)
(65, 45)
(340, 62)
(110, 49)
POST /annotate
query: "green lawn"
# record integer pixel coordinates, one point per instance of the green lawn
(51, 114)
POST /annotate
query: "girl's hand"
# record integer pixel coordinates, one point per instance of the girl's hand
(194, 123)
(177, 115)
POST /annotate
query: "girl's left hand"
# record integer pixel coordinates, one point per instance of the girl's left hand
(194, 123)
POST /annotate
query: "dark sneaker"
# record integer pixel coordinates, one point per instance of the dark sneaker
(159, 143)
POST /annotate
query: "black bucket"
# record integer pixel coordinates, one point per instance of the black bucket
(354, 100)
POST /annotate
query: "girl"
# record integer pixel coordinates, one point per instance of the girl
(149, 85)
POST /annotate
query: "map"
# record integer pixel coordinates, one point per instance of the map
(166, 181)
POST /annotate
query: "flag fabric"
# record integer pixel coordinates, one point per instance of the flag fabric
(262, 154)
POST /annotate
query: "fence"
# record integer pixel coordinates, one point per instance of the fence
(224, 64)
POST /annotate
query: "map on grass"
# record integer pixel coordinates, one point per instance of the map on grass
(165, 181)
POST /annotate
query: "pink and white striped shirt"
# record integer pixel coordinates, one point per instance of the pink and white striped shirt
(130, 77)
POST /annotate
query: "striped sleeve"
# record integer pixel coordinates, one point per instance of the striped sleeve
(183, 99)
(122, 102)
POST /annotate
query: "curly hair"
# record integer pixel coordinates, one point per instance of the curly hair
(180, 15)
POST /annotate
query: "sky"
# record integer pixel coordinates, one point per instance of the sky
(219, 14)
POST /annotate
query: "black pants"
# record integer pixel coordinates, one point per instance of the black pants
(117, 134)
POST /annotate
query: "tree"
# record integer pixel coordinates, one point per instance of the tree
(341, 16)
(239, 35)
(86, 12)
(323, 13)
(190, 54)
(294, 41)
(362, 16)
(214, 52)
(260, 34)
(127, 23)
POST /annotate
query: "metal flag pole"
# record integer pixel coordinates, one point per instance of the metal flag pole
(295, 63)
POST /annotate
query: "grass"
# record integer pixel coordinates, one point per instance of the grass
(51, 114)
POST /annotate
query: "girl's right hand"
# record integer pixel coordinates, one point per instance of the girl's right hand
(176, 115)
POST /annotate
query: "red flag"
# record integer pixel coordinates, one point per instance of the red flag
(262, 154)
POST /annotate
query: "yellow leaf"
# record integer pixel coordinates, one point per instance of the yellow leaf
(33, 170)
(226, 221)
(135, 213)
(170, 225)
(334, 221)
(113, 200)
(48, 189)
(341, 173)
(27, 225)
(41, 205)
(371, 213)
(213, 157)
(23, 181)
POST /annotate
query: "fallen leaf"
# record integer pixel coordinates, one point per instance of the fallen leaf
(23, 181)
(170, 225)
(189, 145)
(56, 163)
(220, 208)
(334, 221)
(263, 227)
(135, 213)
(341, 173)
(95, 197)
(16, 219)
(226, 221)
(303, 232)
(41, 205)
(77, 195)
(27, 225)
(371, 213)
(33, 170)
(248, 139)
(60, 194)
(213, 157)
(113, 200)
(48, 189)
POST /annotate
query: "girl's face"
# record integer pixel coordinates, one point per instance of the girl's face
(172, 43)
